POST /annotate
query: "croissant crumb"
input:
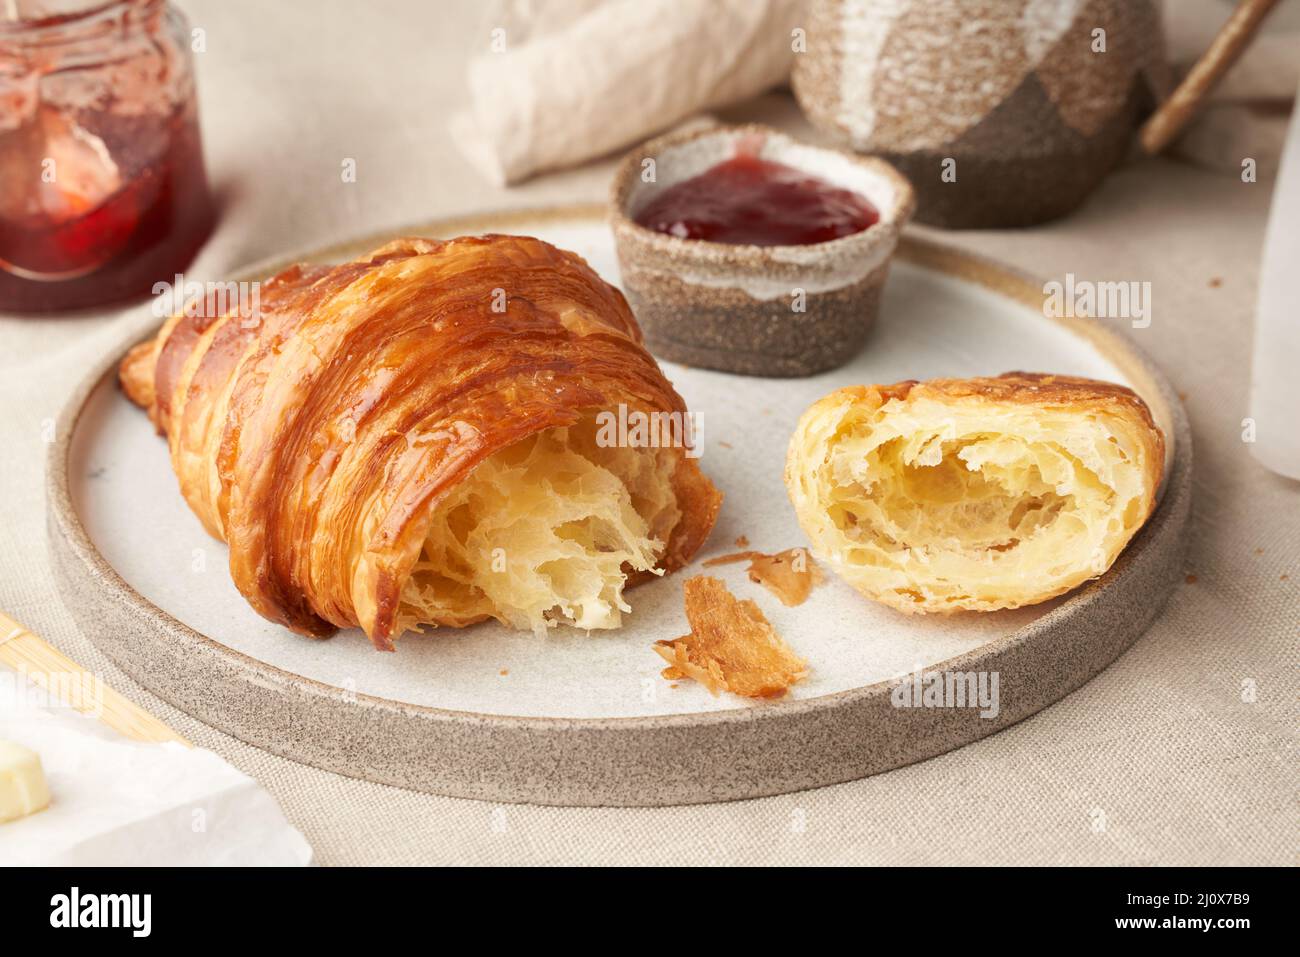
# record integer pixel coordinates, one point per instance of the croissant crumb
(544, 533)
(731, 647)
(789, 575)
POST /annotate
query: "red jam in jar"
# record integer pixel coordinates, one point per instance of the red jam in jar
(751, 201)
(103, 192)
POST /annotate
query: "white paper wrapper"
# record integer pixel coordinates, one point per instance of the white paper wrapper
(120, 802)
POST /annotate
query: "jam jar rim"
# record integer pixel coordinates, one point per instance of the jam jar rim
(79, 26)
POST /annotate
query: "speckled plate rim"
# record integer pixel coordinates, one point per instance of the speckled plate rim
(612, 761)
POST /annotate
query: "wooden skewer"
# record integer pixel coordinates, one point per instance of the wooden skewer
(63, 678)
(1167, 122)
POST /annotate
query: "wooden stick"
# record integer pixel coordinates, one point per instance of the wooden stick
(63, 678)
(1233, 37)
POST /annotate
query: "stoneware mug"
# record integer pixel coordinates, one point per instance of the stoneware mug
(1001, 112)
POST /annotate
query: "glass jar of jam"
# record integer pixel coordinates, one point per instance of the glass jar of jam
(102, 187)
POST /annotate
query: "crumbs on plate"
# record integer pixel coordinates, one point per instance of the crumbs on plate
(789, 575)
(731, 647)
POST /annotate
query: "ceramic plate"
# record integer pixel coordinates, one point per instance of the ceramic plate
(582, 718)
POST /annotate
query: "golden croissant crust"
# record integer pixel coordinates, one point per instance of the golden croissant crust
(974, 494)
(411, 438)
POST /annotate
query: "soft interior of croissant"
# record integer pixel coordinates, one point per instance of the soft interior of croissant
(945, 508)
(544, 533)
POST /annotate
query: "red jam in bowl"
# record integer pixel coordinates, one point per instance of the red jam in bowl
(751, 201)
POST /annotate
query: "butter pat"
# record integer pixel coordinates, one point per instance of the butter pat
(22, 782)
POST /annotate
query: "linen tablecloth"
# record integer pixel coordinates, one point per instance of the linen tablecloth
(1179, 753)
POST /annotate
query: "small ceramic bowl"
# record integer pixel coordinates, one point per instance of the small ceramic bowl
(755, 310)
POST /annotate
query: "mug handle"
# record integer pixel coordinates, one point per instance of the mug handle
(1233, 37)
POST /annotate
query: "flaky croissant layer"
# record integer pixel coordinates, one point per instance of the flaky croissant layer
(974, 494)
(543, 534)
(332, 438)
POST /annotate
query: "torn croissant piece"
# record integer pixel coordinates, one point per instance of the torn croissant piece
(789, 575)
(974, 494)
(731, 647)
(418, 437)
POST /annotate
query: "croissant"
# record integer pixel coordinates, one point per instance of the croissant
(974, 494)
(424, 436)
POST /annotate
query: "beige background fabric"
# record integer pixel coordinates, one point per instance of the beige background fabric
(1160, 760)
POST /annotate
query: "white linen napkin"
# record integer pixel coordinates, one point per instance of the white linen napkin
(564, 82)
